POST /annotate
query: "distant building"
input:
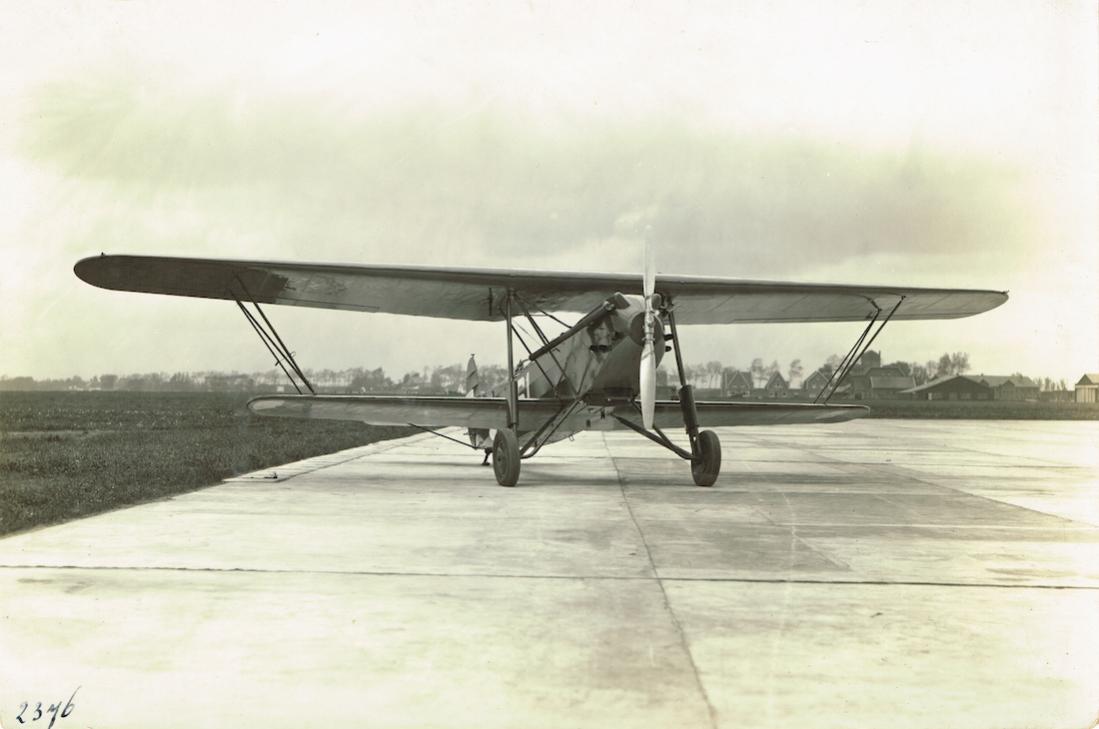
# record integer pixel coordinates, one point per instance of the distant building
(889, 387)
(950, 387)
(776, 386)
(735, 383)
(868, 361)
(815, 382)
(1009, 387)
(1087, 389)
(879, 383)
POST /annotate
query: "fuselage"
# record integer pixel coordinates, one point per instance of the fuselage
(602, 361)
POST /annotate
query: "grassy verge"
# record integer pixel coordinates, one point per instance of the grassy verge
(70, 454)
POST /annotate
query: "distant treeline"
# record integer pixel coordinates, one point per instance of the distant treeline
(438, 380)
(451, 379)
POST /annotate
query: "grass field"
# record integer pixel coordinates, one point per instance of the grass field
(70, 454)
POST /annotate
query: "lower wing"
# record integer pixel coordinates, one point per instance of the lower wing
(491, 412)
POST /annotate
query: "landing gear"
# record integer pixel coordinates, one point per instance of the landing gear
(505, 457)
(706, 464)
(705, 446)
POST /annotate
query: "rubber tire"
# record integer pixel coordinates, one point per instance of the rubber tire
(708, 466)
(505, 457)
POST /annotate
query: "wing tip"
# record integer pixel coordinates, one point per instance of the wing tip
(96, 270)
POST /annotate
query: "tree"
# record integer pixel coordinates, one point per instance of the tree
(181, 382)
(942, 368)
(795, 371)
(713, 373)
(694, 373)
(950, 364)
(757, 370)
(107, 382)
(919, 372)
(903, 367)
(661, 377)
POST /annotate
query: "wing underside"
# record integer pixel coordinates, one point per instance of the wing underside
(477, 294)
(492, 412)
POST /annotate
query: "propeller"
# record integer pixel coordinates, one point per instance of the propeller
(648, 355)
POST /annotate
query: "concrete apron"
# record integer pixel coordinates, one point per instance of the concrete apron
(875, 573)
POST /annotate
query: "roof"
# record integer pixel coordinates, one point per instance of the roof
(1000, 380)
(738, 376)
(942, 380)
(895, 382)
(884, 372)
(1089, 378)
(771, 380)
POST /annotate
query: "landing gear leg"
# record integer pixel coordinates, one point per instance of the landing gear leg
(505, 446)
(705, 446)
(488, 452)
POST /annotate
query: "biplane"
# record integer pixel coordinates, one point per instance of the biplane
(598, 373)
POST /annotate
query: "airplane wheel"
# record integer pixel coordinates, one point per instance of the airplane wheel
(505, 457)
(708, 466)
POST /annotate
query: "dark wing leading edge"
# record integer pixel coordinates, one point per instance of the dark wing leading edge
(491, 412)
(466, 412)
(721, 414)
(477, 294)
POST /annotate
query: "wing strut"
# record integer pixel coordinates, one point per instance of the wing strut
(444, 435)
(271, 339)
(855, 353)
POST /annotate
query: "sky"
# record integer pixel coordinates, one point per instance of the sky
(900, 143)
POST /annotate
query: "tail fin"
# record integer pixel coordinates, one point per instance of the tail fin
(478, 437)
(473, 380)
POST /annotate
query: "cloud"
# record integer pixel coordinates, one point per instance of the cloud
(163, 166)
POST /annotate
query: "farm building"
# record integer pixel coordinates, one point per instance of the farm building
(813, 384)
(776, 387)
(885, 387)
(1087, 389)
(879, 383)
(950, 387)
(735, 383)
(1009, 387)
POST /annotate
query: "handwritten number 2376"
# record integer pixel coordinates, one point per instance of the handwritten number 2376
(53, 709)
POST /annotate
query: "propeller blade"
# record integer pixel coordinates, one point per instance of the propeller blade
(648, 385)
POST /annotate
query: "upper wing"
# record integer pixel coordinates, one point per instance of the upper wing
(491, 412)
(478, 294)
